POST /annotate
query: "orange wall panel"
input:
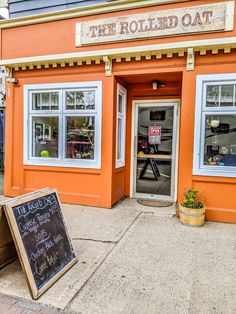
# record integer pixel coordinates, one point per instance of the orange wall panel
(118, 185)
(70, 185)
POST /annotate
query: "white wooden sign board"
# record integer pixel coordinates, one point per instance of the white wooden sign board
(182, 21)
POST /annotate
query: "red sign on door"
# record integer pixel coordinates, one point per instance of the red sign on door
(154, 134)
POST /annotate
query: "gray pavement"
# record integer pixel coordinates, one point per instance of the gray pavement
(135, 259)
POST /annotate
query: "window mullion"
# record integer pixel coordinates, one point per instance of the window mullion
(202, 140)
(61, 125)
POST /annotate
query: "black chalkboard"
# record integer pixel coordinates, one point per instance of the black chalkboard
(41, 238)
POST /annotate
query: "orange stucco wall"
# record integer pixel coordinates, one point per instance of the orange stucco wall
(107, 185)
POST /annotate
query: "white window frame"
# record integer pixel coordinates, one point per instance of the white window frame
(121, 91)
(62, 113)
(201, 111)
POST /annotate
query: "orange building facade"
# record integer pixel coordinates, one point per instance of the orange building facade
(131, 98)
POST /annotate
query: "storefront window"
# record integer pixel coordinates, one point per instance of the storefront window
(220, 140)
(80, 137)
(45, 137)
(65, 125)
(215, 126)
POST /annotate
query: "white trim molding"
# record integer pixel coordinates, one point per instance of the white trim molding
(202, 112)
(121, 108)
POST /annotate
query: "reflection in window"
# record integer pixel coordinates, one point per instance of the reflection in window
(227, 95)
(119, 139)
(215, 126)
(220, 95)
(80, 100)
(45, 101)
(45, 137)
(220, 140)
(120, 103)
(80, 137)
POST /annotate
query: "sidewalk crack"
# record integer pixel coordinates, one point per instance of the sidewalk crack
(96, 240)
(103, 260)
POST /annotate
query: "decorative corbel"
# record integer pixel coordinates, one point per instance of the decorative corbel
(8, 72)
(9, 77)
(190, 59)
(108, 65)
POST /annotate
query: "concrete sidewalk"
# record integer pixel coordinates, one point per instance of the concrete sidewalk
(135, 259)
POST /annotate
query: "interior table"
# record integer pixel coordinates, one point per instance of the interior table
(152, 159)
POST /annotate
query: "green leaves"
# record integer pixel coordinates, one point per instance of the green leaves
(190, 199)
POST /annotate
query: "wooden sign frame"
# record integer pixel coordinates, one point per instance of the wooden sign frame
(24, 260)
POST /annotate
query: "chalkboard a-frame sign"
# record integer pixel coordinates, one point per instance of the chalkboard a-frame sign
(41, 238)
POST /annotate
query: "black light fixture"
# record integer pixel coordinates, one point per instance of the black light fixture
(157, 84)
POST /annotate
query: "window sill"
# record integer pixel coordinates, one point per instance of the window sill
(69, 164)
(120, 165)
(214, 171)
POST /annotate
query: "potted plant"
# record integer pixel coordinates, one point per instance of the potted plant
(192, 211)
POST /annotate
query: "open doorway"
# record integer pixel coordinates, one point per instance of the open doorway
(2, 149)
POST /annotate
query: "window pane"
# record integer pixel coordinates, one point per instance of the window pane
(220, 140)
(227, 95)
(119, 139)
(36, 102)
(80, 137)
(45, 137)
(54, 101)
(45, 101)
(120, 103)
(213, 95)
(90, 99)
(80, 100)
(70, 100)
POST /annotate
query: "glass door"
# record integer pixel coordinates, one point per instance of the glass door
(155, 150)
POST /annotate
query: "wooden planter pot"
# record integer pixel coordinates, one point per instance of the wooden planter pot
(192, 216)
